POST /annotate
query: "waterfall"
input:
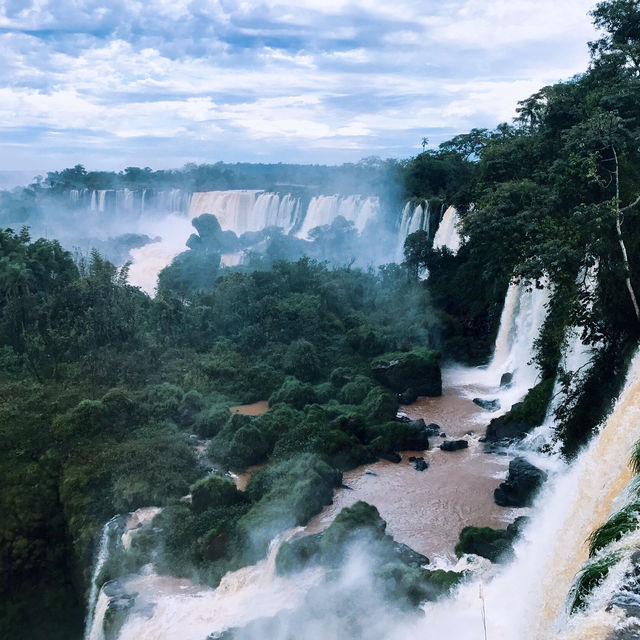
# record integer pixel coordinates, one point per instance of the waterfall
(190, 612)
(101, 557)
(96, 631)
(147, 261)
(414, 218)
(447, 234)
(527, 599)
(522, 318)
(323, 210)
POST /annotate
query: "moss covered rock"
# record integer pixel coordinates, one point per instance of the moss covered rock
(410, 373)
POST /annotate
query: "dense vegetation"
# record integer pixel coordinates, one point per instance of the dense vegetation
(555, 196)
(102, 386)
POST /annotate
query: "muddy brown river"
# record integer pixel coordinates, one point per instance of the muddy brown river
(427, 509)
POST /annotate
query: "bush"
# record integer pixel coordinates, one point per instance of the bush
(213, 491)
(301, 361)
(295, 393)
(418, 370)
(380, 405)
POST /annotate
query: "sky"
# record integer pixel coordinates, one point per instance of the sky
(161, 83)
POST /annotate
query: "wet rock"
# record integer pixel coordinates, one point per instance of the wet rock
(470, 433)
(521, 486)
(487, 405)
(412, 458)
(505, 380)
(433, 429)
(421, 464)
(454, 445)
(408, 556)
(443, 435)
(392, 457)
(120, 602)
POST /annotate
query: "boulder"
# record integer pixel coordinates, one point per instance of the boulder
(505, 380)
(433, 429)
(421, 464)
(521, 486)
(487, 405)
(392, 457)
(411, 373)
(454, 445)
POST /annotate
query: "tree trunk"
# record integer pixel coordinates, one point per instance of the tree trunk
(623, 249)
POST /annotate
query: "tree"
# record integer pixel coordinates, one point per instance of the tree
(620, 19)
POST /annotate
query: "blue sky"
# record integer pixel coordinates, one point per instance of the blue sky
(165, 82)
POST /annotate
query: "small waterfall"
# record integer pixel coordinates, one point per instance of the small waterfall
(447, 234)
(96, 631)
(414, 218)
(523, 314)
(101, 557)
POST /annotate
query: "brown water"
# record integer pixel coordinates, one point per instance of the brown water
(426, 510)
(254, 409)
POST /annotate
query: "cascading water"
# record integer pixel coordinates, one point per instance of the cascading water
(523, 315)
(190, 612)
(242, 211)
(323, 210)
(101, 557)
(447, 235)
(527, 599)
(414, 218)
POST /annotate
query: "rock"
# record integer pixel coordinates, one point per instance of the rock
(411, 373)
(408, 556)
(421, 464)
(433, 429)
(505, 380)
(443, 435)
(366, 473)
(392, 457)
(521, 486)
(487, 405)
(413, 458)
(454, 445)
(504, 430)
(482, 439)
(470, 433)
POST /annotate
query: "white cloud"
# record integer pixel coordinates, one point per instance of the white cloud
(339, 75)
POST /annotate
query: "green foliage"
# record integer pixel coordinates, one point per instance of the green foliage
(588, 579)
(621, 523)
(295, 393)
(213, 491)
(494, 544)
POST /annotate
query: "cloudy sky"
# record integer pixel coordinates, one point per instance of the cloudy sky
(165, 82)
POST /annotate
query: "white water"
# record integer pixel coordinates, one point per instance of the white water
(414, 218)
(523, 314)
(96, 632)
(101, 557)
(447, 234)
(323, 210)
(147, 261)
(190, 612)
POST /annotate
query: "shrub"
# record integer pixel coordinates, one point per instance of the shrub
(213, 491)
